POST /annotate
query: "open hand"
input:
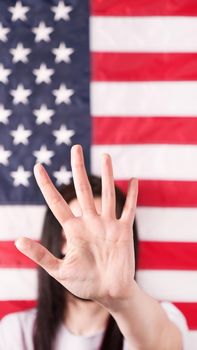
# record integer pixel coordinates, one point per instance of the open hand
(99, 261)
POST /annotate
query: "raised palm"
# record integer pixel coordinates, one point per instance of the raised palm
(99, 260)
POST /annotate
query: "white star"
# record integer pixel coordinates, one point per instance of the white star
(4, 74)
(20, 94)
(42, 32)
(63, 135)
(44, 155)
(21, 176)
(3, 33)
(62, 53)
(61, 11)
(21, 135)
(63, 94)
(18, 11)
(4, 114)
(4, 155)
(63, 176)
(43, 74)
(20, 53)
(43, 114)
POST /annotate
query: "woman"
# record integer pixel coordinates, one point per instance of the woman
(93, 258)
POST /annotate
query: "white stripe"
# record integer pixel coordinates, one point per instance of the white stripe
(18, 284)
(19, 220)
(191, 340)
(167, 224)
(149, 161)
(144, 98)
(21, 284)
(180, 286)
(178, 224)
(143, 34)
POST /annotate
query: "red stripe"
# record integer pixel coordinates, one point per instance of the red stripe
(154, 130)
(144, 8)
(11, 257)
(157, 193)
(167, 255)
(9, 306)
(190, 312)
(144, 66)
(171, 256)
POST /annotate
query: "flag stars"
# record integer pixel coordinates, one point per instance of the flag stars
(62, 176)
(20, 53)
(4, 114)
(62, 53)
(18, 11)
(63, 94)
(20, 95)
(3, 33)
(43, 74)
(4, 73)
(21, 176)
(21, 135)
(43, 115)
(42, 32)
(4, 155)
(61, 11)
(63, 135)
(44, 155)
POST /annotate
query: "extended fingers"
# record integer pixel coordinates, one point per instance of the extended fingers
(81, 182)
(129, 210)
(108, 190)
(53, 198)
(36, 252)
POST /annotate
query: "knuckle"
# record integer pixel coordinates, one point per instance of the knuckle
(109, 193)
(84, 187)
(55, 200)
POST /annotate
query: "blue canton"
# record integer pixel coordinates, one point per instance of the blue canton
(44, 92)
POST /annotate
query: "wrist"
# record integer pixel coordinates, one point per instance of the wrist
(117, 303)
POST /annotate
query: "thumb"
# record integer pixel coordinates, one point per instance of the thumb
(36, 252)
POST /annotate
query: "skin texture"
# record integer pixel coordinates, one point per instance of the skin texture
(99, 256)
(97, 243)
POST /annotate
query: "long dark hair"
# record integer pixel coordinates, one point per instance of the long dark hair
(51, 294)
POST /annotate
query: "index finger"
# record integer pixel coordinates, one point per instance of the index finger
(55, 201)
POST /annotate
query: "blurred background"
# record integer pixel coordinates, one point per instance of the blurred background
(117, 77)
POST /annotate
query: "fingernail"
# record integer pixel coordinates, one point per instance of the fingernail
(18, 242)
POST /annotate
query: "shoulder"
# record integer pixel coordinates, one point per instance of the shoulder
(16, 329)
(19, 319)
(175, 315)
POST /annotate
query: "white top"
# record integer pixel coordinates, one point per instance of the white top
(16, 332)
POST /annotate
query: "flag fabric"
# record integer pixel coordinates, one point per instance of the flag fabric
(44, 109)
(143, 106)
(138, 59)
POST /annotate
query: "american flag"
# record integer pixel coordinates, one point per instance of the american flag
(44, 109)
(140, 58)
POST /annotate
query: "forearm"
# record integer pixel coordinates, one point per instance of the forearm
(144, 324)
